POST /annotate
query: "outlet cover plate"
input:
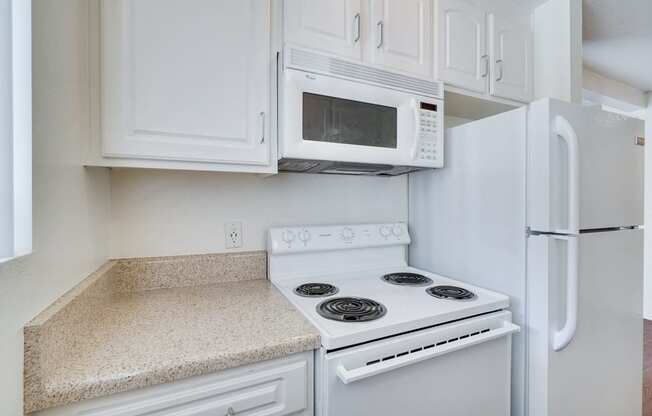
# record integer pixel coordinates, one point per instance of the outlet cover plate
(233, 234)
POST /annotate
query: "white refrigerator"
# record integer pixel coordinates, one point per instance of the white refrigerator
(545, 203)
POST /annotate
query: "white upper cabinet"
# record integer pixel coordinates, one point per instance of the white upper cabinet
(402, 35)
(485, 47)
(390, 34)
(333, 26)
(462, 45)
(511, 51)
(186, 81)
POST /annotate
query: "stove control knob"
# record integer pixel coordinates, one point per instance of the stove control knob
(347, 234)
(385, 230)
(304, 235)
(397, 230)
(288, 236)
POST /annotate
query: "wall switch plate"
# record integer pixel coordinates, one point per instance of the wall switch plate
(233, 234)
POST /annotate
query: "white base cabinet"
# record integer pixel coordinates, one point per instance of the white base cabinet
(272, 388)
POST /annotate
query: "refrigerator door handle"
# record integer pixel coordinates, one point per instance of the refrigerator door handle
(564, 336)
(564, 130)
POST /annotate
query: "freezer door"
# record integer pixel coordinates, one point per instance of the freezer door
(599, 372)
(585, 168)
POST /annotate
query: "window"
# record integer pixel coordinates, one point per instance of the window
(15, 129)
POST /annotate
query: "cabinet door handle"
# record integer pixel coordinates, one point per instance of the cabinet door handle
(485, 58)
(381, 29)
(356, 27)
(262, 128)
(499, 63)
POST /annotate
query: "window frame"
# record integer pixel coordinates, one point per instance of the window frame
(16, 130)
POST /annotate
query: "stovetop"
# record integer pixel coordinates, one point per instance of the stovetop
(400, 308)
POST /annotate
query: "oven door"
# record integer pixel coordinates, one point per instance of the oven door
(460, 369)
(327, 118)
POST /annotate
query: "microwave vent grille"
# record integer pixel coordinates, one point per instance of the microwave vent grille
(309, 61)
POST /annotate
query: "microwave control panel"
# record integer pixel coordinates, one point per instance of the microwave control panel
(430, 137)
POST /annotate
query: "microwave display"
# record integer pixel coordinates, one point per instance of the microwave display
(429, 107)
(336, 120)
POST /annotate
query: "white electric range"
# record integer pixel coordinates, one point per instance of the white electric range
(395, 340)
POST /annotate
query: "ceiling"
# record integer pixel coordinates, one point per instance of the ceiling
(618, 40)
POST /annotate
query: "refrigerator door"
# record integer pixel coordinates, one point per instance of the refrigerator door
(585, 168)
(599, 372)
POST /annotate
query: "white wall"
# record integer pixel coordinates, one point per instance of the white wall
(598, 88)
(168, 213)
(452, 121)
(71, 204)
(558, 50)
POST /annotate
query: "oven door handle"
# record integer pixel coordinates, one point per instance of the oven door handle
(349, 376)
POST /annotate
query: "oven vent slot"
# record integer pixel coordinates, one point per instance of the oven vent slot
(427, 346)
(310, 61)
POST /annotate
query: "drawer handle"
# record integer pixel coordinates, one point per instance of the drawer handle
(230, 412)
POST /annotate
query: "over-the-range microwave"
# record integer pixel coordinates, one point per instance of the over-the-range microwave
(337, 116)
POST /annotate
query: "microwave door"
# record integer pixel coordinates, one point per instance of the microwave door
(342, 121)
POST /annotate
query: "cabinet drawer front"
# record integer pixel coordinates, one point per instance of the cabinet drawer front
(267, 389)
(262, 399)
(256, 395)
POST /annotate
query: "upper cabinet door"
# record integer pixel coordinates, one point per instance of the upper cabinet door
(462, 59)
(333, 26)
(511, 56)
(401, 35)
(186, 80)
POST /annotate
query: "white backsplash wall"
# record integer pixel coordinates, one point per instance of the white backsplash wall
(162, 213)
(452, 121)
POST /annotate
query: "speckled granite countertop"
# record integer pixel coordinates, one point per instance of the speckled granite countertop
(137, 323)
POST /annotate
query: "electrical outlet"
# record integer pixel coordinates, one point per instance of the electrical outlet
(233, 234)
